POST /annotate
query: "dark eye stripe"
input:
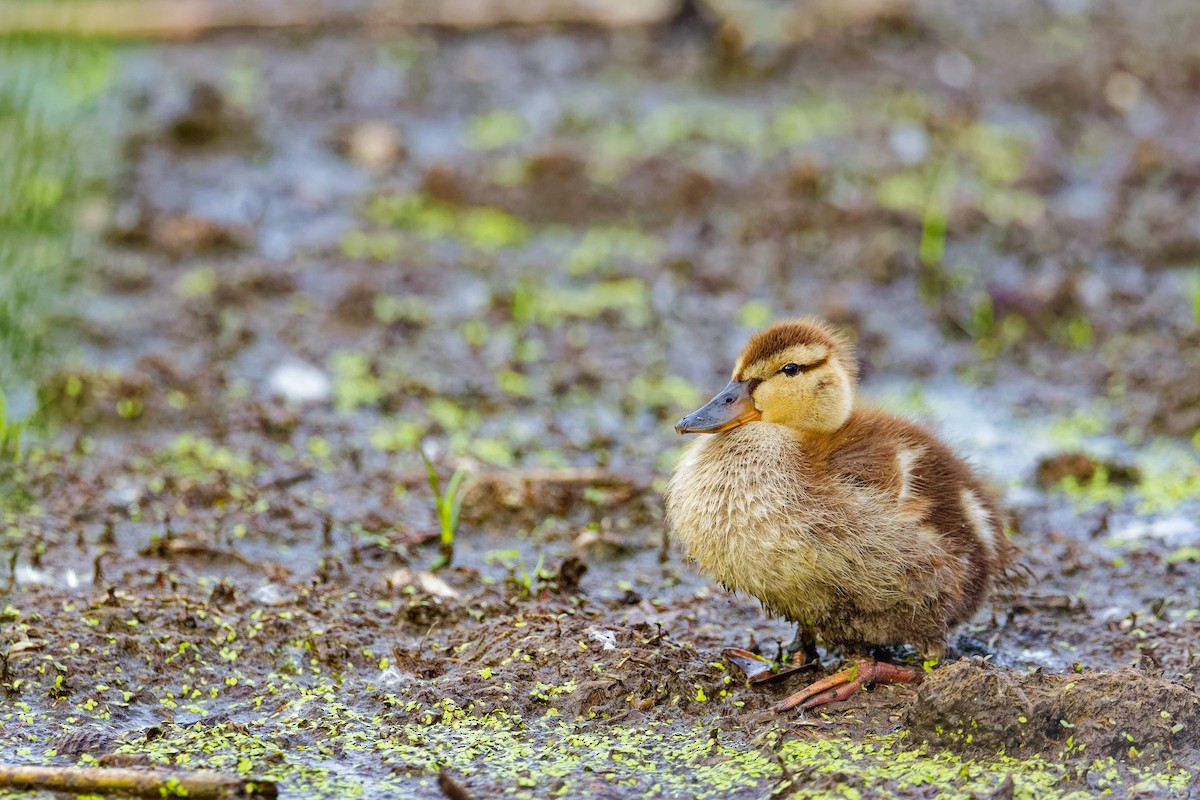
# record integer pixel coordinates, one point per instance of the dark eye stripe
(796, 369)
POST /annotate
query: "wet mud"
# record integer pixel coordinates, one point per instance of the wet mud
(528, 252)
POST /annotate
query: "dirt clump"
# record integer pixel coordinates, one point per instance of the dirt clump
(209, 119)
(1084, 468)
(527, 496)
(974, 707)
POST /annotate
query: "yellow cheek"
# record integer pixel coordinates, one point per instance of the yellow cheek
(783, 403)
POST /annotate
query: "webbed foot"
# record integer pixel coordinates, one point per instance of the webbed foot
(843, 684)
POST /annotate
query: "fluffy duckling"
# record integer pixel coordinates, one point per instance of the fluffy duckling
(863, 528)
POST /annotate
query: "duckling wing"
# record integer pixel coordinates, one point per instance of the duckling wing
(933, 495)
(879, 465)
(917, 472)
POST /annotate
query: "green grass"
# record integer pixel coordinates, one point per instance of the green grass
(525, 582)
(1194, 280)
(10, 435)
(53, 158)
(449, 506)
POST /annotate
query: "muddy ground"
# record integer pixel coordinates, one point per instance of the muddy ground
(529, 251)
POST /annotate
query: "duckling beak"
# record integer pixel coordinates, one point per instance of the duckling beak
(732, 407)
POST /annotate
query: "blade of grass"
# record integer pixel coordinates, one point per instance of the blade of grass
(448, 505)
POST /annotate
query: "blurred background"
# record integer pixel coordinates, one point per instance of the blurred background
(257, 259)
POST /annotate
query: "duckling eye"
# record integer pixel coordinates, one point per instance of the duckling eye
(792, 369)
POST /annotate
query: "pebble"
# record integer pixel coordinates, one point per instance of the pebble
(298, 382)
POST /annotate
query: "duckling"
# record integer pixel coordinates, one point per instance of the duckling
(863, 528)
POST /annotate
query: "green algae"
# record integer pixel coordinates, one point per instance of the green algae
(686, 126)
(1094, 491)
(974, 167)
(485, 228)
(354, 381)
(604, 246)
(495, 130)
(351, 725)
(1167, 474)
(552, 305)
(198, 458)
(346, 751)
(886, 762)
(1074, 430)
(1168, 479)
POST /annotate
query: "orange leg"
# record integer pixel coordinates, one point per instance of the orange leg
(840, 685)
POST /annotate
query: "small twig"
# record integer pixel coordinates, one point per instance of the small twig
(178, 547)
(421, 644)
(452, 788)
(288, 481)
(487, 645)
(97, 567)
(188, 19)
(327, 532)
(132, 782)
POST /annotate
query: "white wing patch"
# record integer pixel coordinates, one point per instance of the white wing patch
(980, 520)
(905, 459)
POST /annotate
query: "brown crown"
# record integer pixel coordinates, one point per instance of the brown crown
(807, 331)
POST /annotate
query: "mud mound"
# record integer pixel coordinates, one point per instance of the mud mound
(979, 708)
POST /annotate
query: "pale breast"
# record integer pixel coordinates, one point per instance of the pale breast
(758, 516)
(733, 504)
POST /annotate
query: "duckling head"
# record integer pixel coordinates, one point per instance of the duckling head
(800, 373)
